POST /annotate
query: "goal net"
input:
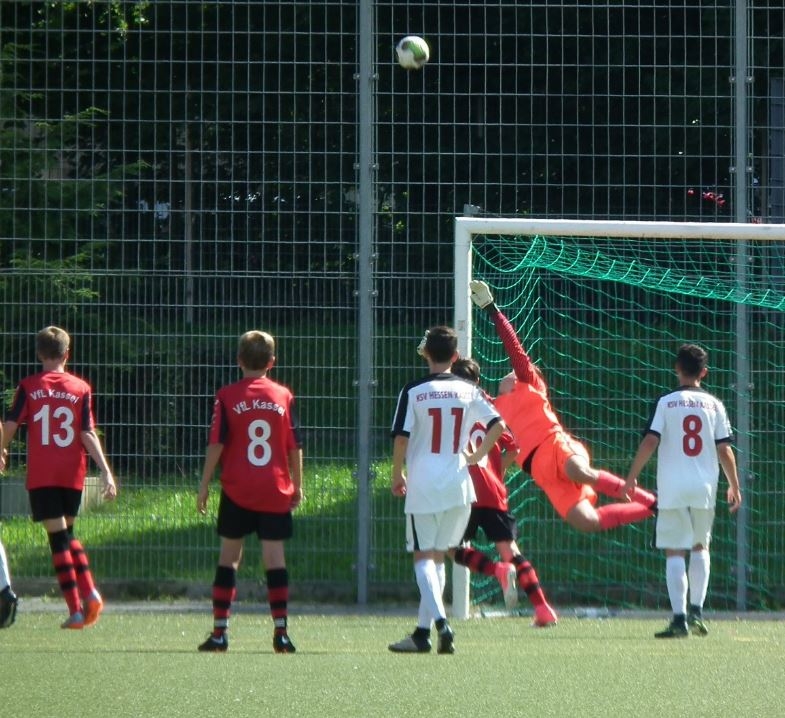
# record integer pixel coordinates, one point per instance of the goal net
(602, 307)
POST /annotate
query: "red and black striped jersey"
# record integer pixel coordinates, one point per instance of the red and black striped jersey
(57, 408)
(256, 422)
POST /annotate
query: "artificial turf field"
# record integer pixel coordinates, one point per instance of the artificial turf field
(142, 661)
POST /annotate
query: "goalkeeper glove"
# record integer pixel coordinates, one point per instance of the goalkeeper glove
(480, 293)
(421, 345)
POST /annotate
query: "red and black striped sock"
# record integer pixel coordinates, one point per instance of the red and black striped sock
(476, 561)
(528, 581)
(224, 592)
(64, 570)
(84, 577)
(278, 597)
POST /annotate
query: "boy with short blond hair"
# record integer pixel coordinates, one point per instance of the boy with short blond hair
(57, 408)
(254, 436)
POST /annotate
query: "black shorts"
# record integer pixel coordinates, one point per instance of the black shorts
(497, 525)
(52, 502)
(235, 522)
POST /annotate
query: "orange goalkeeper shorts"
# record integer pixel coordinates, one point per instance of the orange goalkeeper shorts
(548, 472)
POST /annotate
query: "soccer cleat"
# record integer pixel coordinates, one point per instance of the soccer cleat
(92, 610)
(215, 644)
(544, 616)
(75, 621)
(675, 629)
(282, 644)
(508, 580)
(8, 604)
(411, 644)
(696, 625)
(446, 641)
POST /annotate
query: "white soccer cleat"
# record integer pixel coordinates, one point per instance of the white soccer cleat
(480, 293)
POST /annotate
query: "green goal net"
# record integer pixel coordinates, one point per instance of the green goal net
(603, 316)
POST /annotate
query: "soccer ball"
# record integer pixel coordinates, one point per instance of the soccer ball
(412, 52)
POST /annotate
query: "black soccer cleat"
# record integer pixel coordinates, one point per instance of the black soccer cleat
(446, 641)
(215, 644)
(675, 629)
(282, 644)
(696, 625)
(8, 605)
(411, 644)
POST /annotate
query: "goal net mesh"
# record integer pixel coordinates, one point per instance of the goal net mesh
(603, 318)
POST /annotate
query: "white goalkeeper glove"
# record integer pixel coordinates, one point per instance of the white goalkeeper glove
(421, 345)
(480, 293)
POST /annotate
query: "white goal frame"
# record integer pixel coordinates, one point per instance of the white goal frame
(466, 228)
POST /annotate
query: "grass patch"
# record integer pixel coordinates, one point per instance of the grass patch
(135, 664)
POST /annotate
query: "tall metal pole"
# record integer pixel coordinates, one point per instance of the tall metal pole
(366, 175)
(742, 170)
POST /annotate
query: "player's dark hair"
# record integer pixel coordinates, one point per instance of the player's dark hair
(691, 360)
(441, 344)
(467, 369)
(255, 350)
(52, 343)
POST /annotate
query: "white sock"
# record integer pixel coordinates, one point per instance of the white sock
(700, 569)
(676, 580)
(441, 572)
(424, 618)
(428, 583)
(5, 575)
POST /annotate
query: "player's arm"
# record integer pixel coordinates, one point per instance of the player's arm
(509, 451)
(211, 459)
(508, 458)
(727, 461)
(521, 363)
(8, 432)
(493, 433)
(92, 444)
(397, 478)
(646, 448)
(296, 472)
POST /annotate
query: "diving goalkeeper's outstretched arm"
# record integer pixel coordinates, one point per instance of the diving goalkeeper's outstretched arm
(522, 365)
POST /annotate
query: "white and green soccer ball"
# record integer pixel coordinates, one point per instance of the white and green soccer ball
(413, 52)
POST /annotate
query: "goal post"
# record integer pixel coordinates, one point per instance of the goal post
(702, 280)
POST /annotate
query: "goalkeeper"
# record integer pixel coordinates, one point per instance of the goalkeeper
(558, 463)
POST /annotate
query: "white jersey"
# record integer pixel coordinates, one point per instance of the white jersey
(437, 413)
(690, 423)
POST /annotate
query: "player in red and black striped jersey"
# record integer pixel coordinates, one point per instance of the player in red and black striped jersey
(254, 436)
(557, 462)
(491, 513)
(56, 407)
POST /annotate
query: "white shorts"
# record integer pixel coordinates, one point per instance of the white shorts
(436, 532)
(681, 529)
